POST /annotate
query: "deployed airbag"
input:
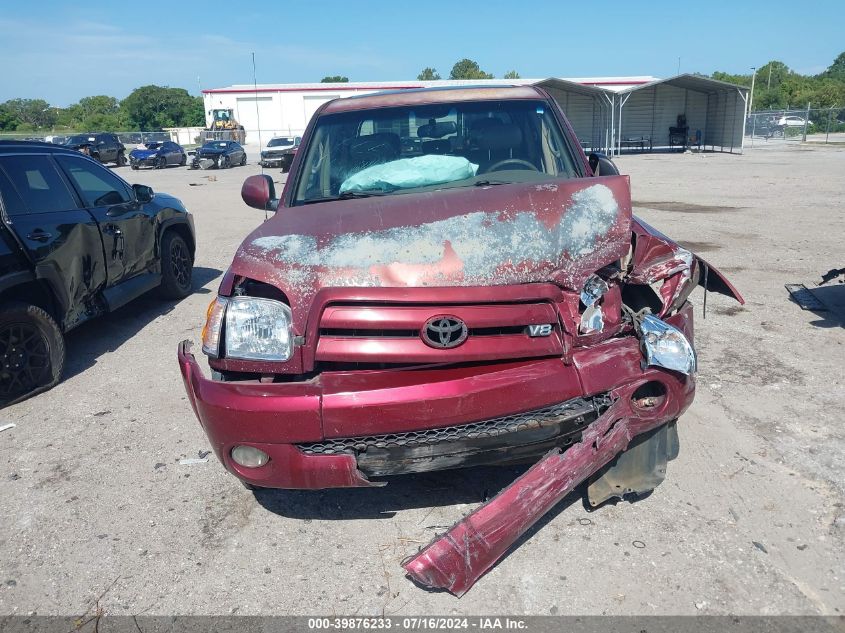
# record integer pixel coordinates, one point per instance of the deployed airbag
(406, 173)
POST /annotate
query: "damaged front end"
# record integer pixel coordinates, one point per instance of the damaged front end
(447, 329)
(624, 450)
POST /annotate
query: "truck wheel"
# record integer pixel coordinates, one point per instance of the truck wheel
(32, 352)
(177, 266)
(121, 159)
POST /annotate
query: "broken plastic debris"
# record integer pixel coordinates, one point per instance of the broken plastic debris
(8, 426)
(594, 289)
(591, 321)
(201, 458)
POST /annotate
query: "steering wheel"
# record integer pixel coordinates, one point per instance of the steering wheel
(515, 161)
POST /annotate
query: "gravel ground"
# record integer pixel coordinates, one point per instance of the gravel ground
(749, 521)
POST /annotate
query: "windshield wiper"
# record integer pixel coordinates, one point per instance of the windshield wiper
(346, 195)
(489, 183)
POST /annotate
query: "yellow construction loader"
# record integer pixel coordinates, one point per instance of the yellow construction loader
(224, 127)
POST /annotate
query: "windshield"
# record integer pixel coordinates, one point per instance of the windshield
(216, 145)
(152, 145)
(80, 138)
(281, 140)
(416, 148)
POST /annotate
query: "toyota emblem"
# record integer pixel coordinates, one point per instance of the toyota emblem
(444, 332)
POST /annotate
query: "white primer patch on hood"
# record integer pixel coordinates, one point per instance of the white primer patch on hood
(483, 241)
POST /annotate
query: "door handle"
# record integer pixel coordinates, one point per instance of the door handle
(39, 236)
(111, 229)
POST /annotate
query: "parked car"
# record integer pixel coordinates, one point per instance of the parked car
(791, 121)
(105, 148)
(287, 158)
(158, 155)
(272, 154)
(219, 154)
(76, 241)
(482, 303)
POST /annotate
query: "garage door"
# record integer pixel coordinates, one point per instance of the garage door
(254, 110)
(311, 103)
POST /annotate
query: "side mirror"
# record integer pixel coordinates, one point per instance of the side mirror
(143, 193)
(602, 165)
(259, 192)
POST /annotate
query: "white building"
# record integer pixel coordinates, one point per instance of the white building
(595, 106)
(285, 109)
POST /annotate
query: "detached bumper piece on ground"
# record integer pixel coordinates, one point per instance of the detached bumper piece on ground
(458, 558)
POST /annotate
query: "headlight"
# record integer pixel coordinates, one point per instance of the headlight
(258, 329)
(666, 346)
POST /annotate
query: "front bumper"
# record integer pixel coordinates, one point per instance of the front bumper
(292, 421)
(272, 161)
(206, 162)
(149, 161)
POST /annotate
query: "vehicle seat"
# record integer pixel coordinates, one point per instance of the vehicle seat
(373, 149)
(496, 142)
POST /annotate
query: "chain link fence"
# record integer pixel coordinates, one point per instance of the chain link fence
(813, 125)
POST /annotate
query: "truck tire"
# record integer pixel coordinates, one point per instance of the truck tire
(177, 266)
(32, 352)
(120, 161)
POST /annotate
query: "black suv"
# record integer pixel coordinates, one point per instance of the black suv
(105, 148)
(76, 241)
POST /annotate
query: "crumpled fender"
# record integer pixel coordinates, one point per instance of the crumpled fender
(656, 256)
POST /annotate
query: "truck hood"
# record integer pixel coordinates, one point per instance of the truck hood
(558, 230)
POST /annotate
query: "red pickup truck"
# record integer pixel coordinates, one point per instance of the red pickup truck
(448, 280)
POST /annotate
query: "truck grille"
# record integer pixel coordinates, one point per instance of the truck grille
(571, 416)
(390, 334)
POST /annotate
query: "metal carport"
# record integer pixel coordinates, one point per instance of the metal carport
(589, 109)
(717, 108)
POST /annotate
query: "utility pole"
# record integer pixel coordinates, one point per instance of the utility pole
(769, 82)
(753, 77)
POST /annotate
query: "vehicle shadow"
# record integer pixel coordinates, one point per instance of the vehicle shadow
(85, 344)
(473, 486)
(402, 492)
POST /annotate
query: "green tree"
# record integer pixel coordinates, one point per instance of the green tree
(837, 69)
(429, 74)
(195, 115)
(31, 114)
(156, 107)
(334, 79)
(8, 120)
(512, 74)
(468, 69)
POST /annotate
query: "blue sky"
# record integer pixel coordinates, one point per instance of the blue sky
(61, 51)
